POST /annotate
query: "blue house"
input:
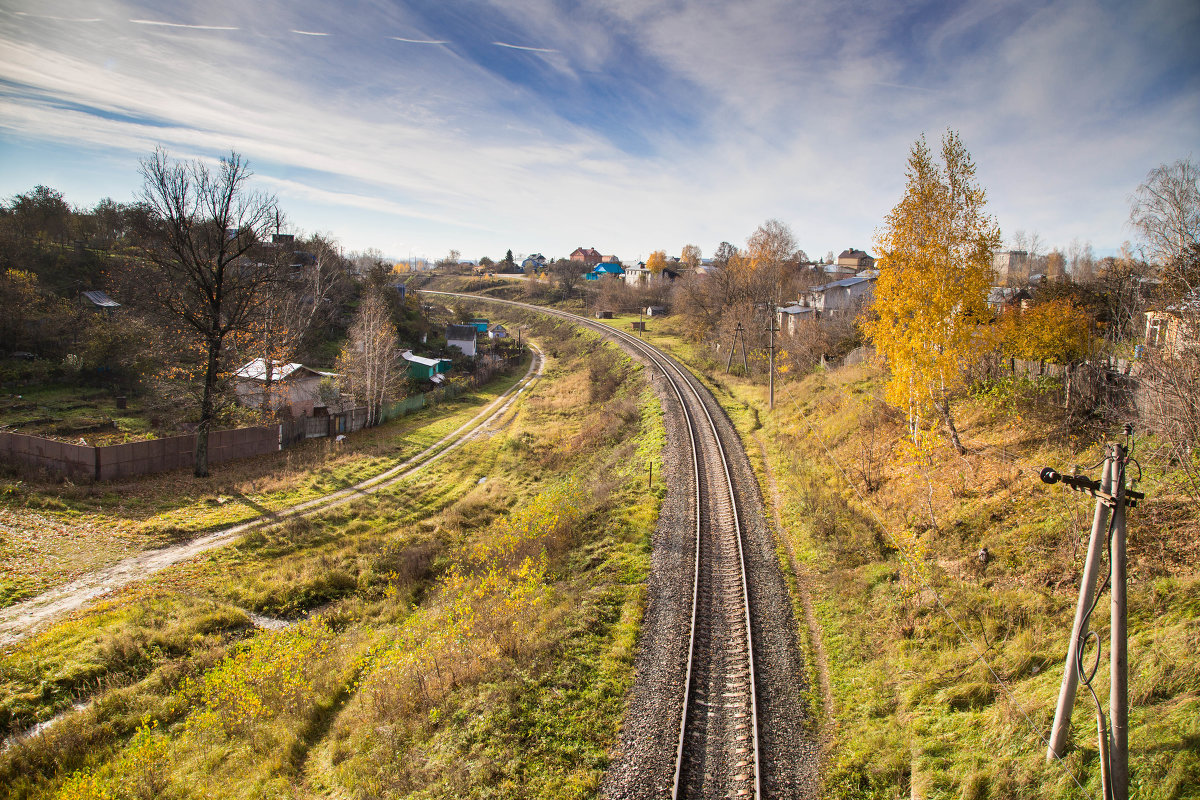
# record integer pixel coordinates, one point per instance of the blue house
(605, 268)
(481, 325)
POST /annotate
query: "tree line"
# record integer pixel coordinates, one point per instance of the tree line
(208, 281)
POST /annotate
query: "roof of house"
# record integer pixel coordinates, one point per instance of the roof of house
(1006, 294)
(460, 332)
(852, 253)
(428, 362)
(256, 370)
(845, 283)
(609, 268)
(796, 308)
(101, 300)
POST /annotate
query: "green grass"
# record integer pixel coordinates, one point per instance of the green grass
(53, 533)
(223, 709)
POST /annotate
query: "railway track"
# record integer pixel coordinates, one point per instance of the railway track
(717, 751)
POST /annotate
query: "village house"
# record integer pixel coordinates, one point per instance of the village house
(854, 261)
(606, 269)
(790, 318)
(497, 331)
(462, 337)
(421, 368)
(846, 295)
(1176, 327)
(294, 387)
(589, 256)
(534, 263)
(1006, 298)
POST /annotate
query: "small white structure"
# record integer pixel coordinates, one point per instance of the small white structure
(497, 332)
(292, 386)
(462, 337)
(789, 318)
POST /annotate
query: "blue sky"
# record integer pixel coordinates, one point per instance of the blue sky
(416, 127)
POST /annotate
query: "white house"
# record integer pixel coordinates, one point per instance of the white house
(462, 337)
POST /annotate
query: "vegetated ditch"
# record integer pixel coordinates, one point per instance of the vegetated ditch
(474, 637)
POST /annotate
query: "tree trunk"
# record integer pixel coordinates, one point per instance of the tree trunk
(944, 409)
(207, 405)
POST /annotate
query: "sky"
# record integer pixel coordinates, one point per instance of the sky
(541, 126)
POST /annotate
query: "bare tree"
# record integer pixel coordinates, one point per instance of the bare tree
(310, 272)
(367, 365)
(1080, 261)
(1166, 210)
(204, 223)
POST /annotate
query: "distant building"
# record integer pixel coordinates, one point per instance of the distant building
(1011, 267)
(790, 318)
(607, 268)
(638, 276)
(588, 256)
(497, 331)
(846, 295)
(535, 262)
(854, 260)
(1001, 298)
(462, 337)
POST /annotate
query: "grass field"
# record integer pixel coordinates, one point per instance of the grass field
(465, 633)
(53, 532)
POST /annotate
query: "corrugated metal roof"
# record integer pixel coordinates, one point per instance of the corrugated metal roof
(256, 370)
(101, 300)
(461, 332)
(845, 283)
(422, 360)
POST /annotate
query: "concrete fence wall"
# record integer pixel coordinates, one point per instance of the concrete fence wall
(86, 463)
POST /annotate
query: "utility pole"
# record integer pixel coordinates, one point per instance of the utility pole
(739, 333)
(771, 382)
(1113, 738)
(733, 346)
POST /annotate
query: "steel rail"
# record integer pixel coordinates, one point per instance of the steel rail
(667, 366)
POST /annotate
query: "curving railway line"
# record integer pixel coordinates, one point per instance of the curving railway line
(718, 750)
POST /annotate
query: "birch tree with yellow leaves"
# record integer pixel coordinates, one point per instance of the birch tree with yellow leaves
(935, 268)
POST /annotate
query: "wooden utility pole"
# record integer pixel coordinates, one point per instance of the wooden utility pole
(1111, 498)
(771, 381)
(1118, 698)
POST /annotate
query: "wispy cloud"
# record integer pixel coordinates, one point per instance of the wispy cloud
(522, 47)
(57, 19)
(163, 24)
(660, 123)
(418, 41)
